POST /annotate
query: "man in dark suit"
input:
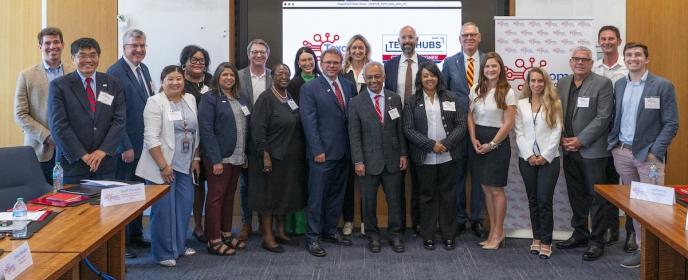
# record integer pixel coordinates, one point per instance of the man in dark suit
(460, 72)
(587, 101)
(254, 79)
(378, 151)
(86, 116)
(645, 123)
(323, 103)
(400, 78)
(136, 82)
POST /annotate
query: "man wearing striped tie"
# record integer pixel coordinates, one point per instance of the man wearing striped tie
(461, 72)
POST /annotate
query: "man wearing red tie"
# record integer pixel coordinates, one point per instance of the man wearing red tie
(86, 116)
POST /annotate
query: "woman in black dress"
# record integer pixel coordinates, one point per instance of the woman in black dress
(277, 172)
(195, 61)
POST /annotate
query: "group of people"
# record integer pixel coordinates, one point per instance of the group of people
(299, 142)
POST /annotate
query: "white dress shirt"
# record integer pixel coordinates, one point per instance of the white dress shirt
(614, 73)
(531, 127)
(258, 84)
(401, 75)
(435, 129)
(476, 65)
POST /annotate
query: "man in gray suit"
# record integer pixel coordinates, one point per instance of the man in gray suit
(587, 101)
(645, 122)
(254, 79)
(378, 151)
(31, 98)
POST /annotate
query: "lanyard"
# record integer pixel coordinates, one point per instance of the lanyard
(536, 147)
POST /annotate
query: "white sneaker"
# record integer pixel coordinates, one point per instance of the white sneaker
(348, 228)
(362, 229)
(189, 252)
(168, 263)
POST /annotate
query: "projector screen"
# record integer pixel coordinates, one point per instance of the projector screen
(321, 25)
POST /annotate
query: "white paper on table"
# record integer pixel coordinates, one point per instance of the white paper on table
(32, 215)
(16, 262)
(652, 193)
(102, 183)
(121, 195)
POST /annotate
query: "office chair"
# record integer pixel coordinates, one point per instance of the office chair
(20, 176)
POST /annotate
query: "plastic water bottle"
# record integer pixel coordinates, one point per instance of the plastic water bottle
(57, 177)
(19, 217)
(653, 174)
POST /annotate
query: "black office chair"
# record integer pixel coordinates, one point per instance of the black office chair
(20, 176)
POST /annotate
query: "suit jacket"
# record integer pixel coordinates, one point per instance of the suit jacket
(217, 126)
(376, 145)
(324, 122)
(135, 98)
(350, 76)
(392, 72)
(416, 126)
(77, 131)
(654, 128)
(590, 124)
(454, 73)
(159, 131)
(31, 108)
(245, 88)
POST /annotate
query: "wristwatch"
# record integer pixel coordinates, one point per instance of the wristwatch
(493, 145)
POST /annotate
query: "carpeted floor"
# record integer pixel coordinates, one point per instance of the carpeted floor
(468, 261)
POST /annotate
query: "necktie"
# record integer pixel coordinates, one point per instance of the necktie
(338, 94)
(142, 82)
(408, 83)
(469, 72)
(90, 95)
(377, 108)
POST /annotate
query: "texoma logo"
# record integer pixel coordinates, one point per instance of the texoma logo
(430, 46)
(518, 73)
(321, 43)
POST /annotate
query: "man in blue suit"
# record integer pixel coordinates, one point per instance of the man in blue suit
(86, 116)
(401, 78)
(460, 72)
(137, 85)
(323, 104)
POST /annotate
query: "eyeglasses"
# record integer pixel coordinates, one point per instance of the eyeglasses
(82, 56)
(331, 63)
(469, 35)
(194, 60)
(258, 52)
(580, 59)
(376, 77)
(136, 46)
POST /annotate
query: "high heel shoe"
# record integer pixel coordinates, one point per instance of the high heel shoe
(535, 248)
(482, 243)
(502, 242)
(545, 252)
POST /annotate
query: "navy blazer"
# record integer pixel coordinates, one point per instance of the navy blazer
(454, 73)
(392, 71)
(654, 128)
(416, 126)
(135, 98)
(77, 131)
(324, 122)
(217, 126)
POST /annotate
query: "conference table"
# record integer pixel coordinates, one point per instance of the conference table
(664, 243)
(80, 232)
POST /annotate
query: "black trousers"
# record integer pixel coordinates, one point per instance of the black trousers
(437, 199)
(47, 168)
(540, 182)
(349, 198)
(581, 175)
(391, 186)
(613, 213)
(415, 212)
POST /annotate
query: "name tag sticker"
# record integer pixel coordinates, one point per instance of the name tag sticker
(393, 114)
(175, 115)
(245, 110)
(448, 106)
(292, 104)
(205, 89)
(652, 103)
(105, 98)
(583, 102)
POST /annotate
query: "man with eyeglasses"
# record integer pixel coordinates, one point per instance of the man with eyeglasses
(137, 85)
(587, 102)
(323, 105)
(31, 98)
(254, 79)
(86, 112)
(461, 72)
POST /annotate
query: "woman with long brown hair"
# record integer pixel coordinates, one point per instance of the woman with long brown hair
(491, 117)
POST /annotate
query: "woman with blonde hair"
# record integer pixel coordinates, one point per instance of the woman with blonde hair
(538, 130)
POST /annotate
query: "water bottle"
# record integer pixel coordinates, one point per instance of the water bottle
(57, 177)
(19, 218)
(653, 174)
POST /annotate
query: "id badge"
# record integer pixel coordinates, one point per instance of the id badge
(186, 145)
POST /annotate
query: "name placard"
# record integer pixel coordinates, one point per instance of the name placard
(16, 262)
(121, 195)
(652, 193)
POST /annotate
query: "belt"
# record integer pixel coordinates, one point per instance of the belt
(625, 146)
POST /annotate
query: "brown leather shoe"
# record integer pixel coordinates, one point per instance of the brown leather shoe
(244, 233)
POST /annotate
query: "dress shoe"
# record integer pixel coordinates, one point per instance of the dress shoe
(449, 244)
(348, 228)
(478, 229)
(630, 245)
(276, 249)
(337, 239)
(397, 245)
(593, 252)
(460, 228)
(138, 241)
(245, 232)
(571, 243)
(610, 237)
(315, 249)
(429, 244)
(632, 261)
(374, 246)
(129, 253)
